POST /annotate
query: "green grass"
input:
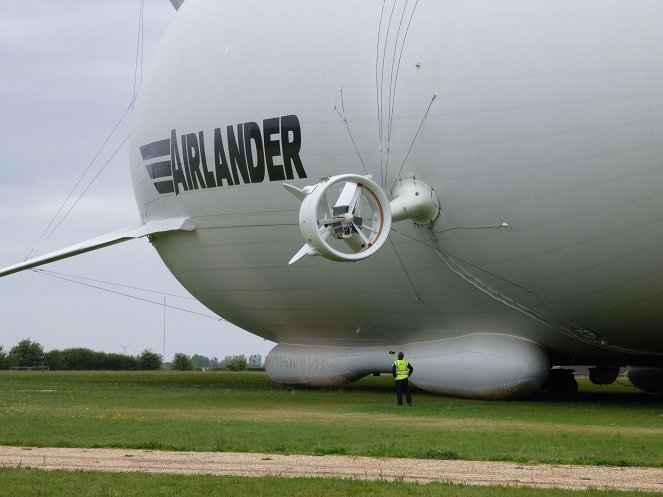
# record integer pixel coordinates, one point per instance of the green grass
(28, 482)
(613, 425)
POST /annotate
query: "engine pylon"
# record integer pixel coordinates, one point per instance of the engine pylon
(414, 200)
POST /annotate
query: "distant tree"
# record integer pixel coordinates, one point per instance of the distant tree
(233, 363)
(4, 362)
(130, 363)
(200, 362)
(26, 353)
(55, 360)
(78, 359)
(214, 362)
(255, 361)
(118, 362)
(149, 360)
(182, 362)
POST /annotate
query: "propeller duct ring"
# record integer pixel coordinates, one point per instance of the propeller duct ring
(364, 226)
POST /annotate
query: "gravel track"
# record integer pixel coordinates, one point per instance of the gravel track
(360, 468)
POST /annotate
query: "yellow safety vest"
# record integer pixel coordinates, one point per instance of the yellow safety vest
(402, 371)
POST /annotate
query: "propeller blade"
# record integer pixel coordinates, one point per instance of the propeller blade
(355, 204)
(348, 198)
(361, 235)
(354, 242)
(328, 212)
(327, 222)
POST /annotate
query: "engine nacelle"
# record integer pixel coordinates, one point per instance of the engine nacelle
(480, 366)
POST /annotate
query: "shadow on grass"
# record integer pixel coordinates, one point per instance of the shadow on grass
(620, 398)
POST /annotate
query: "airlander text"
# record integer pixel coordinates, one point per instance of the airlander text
(245, 153)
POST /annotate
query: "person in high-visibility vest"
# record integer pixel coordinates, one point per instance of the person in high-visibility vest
(402, 371)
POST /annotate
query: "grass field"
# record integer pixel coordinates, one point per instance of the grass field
(247, 412)
(614, 425)
(28, 482)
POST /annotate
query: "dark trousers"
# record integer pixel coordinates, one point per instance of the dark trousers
(403, 386)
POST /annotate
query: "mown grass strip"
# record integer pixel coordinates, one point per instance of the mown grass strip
(14, 482)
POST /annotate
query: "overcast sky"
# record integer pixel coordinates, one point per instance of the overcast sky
(67, 78)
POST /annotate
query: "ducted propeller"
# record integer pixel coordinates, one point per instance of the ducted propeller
(343, 218)
(348, 217)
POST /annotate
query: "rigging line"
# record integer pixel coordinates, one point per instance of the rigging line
(88, 186)
(495, 294)
(414, 139)
(128, 295)
(412, 238)
(488, 290)
(377, 61)
(384, 56)
(392, 89)
(528, 290)
(347, 127)
(342, 101)
(114, 284)
(573, 359)
(138, 43)
(400, 57)
(453, 228)
(142, 41)
(163, 353)
(112, 132)
(409, 278)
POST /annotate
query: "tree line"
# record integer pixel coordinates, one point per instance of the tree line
(28, 353)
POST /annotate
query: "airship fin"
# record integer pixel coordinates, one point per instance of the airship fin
(122, 235)
(304, 251)
(296, 192)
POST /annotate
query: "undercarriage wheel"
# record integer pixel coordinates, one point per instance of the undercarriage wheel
(561, 381)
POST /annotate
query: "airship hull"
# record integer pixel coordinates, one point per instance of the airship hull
(539, 127)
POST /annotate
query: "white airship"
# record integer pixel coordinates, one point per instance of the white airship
(477, 183)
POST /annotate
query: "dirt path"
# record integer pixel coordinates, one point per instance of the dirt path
(361, 468)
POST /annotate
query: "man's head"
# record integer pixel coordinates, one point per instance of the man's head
(400, 355)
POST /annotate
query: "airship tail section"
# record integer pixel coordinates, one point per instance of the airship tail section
(478, 366)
